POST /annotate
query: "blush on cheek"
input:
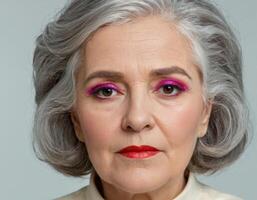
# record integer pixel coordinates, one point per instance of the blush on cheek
(183, 124)
(95, 129)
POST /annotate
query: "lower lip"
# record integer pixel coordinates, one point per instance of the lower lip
(142, 154)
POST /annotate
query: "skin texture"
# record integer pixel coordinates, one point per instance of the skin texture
(140, 114)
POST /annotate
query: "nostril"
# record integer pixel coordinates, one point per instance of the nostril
(137, 129)
(129, 128)
(148, 126)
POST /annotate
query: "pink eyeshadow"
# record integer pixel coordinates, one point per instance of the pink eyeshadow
(91, 90)
(175, 82)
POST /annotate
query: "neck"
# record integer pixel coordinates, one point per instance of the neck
(168, 191)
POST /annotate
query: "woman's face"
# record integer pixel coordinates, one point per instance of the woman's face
(150, 94)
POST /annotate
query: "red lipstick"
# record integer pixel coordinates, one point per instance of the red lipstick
(143, 151)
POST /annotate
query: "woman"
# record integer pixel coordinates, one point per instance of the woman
(142, 95)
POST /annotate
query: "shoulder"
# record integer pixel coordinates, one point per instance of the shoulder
(207, 192)
(77, 195)
(88, 192)
(200, 191)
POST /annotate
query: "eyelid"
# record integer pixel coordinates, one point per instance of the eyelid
(175, 82)
(182, 86)
(93, 89)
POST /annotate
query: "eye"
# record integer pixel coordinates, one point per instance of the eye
(170, 90)
(104, 92)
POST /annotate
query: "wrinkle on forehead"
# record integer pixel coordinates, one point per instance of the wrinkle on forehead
(143, 43)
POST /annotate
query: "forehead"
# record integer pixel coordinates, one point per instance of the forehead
(146, 42)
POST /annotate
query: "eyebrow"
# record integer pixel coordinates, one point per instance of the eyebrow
(114, 75)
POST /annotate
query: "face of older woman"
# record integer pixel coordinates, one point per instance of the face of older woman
(149, 94)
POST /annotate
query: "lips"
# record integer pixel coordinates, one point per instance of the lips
(138, 149)
(143, 151)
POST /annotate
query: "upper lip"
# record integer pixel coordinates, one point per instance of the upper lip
(134, 148)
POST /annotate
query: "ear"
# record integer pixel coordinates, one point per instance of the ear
(203, 126)
(77, 127)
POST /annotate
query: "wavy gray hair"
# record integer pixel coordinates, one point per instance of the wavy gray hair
(58, 55)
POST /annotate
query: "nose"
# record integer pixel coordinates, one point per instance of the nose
(138, 115)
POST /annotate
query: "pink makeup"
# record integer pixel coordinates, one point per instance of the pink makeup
(179, 85)
(93, 89)
(173, 82)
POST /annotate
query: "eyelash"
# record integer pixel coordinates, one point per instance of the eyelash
(178, 86)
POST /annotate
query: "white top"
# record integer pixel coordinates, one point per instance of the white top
(194, 190)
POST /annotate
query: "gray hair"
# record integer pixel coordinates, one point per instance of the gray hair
(58, 55)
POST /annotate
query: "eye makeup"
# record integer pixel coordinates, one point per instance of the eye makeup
(93, 89)
(176, 87)
(179, 84)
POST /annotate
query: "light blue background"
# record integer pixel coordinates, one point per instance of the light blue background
(22, 176)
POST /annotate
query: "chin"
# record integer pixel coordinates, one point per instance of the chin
(140, 183)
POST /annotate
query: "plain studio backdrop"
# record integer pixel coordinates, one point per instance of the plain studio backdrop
(22, 176)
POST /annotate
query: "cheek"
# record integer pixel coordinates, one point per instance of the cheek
(181, 125)
(97, 128)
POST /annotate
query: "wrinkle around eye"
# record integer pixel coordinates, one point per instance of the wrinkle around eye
(174, 88)
(178, 85)
(102, 89)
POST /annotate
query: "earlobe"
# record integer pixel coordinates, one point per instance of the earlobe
(76, 126)
(205, 119)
